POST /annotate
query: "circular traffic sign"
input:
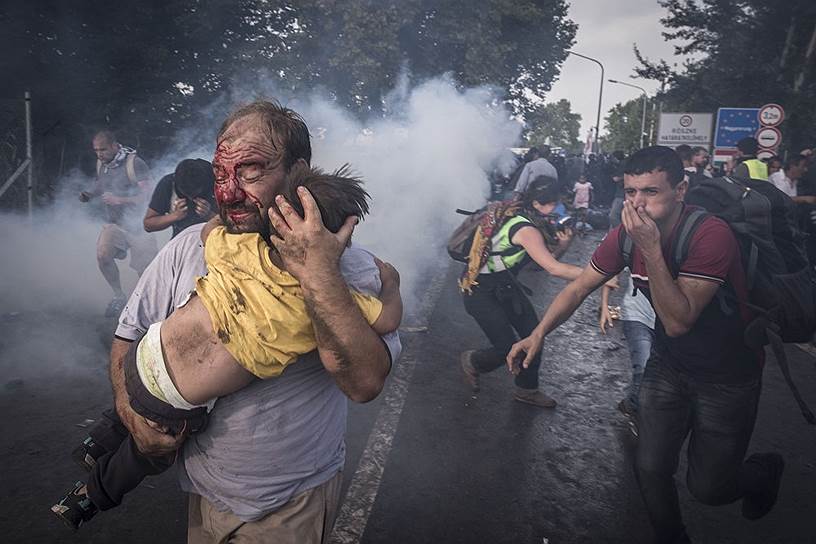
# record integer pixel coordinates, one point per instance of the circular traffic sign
(770, 115)
(765, 154)
(768, 137)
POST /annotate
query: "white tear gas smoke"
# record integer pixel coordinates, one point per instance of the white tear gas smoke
(428, 157)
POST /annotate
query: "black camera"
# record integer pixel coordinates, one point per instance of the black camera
(561, 223)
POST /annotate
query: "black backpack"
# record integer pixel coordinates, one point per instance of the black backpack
(781, 282)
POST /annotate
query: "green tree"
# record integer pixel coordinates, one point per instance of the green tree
(622, 125)
(554, 124)
(358, 48)
(744, 53)
(149, 69)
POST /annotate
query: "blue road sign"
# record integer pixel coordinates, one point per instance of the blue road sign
(734, 124)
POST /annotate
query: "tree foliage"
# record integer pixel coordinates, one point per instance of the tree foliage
(744, 53)
(150, 68)
(554, 124)
(623, 125)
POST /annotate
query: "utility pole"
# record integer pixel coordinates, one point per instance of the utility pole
(29, 157)
(645, 99)
(600, 99)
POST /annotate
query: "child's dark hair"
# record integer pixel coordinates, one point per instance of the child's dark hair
(338, 194)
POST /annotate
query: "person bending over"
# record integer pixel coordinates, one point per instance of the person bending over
(246, 319)
(491, 292)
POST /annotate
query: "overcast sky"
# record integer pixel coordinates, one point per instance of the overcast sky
(606, 31)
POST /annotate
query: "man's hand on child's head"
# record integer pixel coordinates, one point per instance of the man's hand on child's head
(308, 249)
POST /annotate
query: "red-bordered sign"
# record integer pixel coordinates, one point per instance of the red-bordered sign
(771, 115)
(768, 137)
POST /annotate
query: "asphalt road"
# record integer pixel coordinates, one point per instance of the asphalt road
(428, 461)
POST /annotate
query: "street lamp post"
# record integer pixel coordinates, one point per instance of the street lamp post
(600, 99)
(643, 117)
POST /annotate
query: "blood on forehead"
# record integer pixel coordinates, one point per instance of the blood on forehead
(229, 155)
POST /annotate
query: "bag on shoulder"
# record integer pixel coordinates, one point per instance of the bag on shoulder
(460, 243)
(130, 167)
(781, 282)
(461, 240)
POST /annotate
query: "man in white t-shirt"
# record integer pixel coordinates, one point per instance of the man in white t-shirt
(787, 179)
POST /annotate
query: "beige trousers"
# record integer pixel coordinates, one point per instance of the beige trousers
(306, 519)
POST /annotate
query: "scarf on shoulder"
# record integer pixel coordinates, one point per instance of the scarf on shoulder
(492, 220)
(119, 159)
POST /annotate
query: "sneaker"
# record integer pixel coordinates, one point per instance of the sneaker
(756, 506)
(75, 508)
(633, 428)
(471, 374)
(87, 453)
(115, 306)
(626, 408)
(534, 397)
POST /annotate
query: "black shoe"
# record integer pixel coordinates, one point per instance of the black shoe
(87, 453)
(115, 306)
(75, 508)
(757, 505)
(470, 372)
(627, 408)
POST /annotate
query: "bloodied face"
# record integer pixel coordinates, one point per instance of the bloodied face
(249, 172)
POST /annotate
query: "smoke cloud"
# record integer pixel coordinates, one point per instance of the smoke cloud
(428, 156)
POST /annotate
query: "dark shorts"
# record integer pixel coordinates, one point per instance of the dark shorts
(146, 405)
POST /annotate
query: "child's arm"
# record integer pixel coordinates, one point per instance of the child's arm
(606, 317)
(391, 315)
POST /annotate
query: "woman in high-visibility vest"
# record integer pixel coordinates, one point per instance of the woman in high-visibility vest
(492, 294)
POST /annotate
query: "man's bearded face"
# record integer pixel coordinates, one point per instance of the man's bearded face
(249, 172)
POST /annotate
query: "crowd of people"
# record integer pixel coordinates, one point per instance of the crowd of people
(696, 371)
(260, 314)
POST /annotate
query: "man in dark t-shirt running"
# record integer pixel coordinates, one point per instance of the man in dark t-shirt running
(701, 378)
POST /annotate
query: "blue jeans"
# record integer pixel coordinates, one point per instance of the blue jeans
(720, 418)
(639, 338)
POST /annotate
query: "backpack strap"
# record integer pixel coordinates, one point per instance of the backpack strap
(782, 359)
(688, 228)
(626, 246)
(130, 167)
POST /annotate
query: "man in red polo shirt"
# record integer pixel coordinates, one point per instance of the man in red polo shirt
(701, 378)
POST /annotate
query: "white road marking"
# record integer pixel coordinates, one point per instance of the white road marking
(362, 492)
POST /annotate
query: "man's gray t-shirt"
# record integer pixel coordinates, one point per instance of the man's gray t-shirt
(532, 170)
(274, 438)
(114, 178)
